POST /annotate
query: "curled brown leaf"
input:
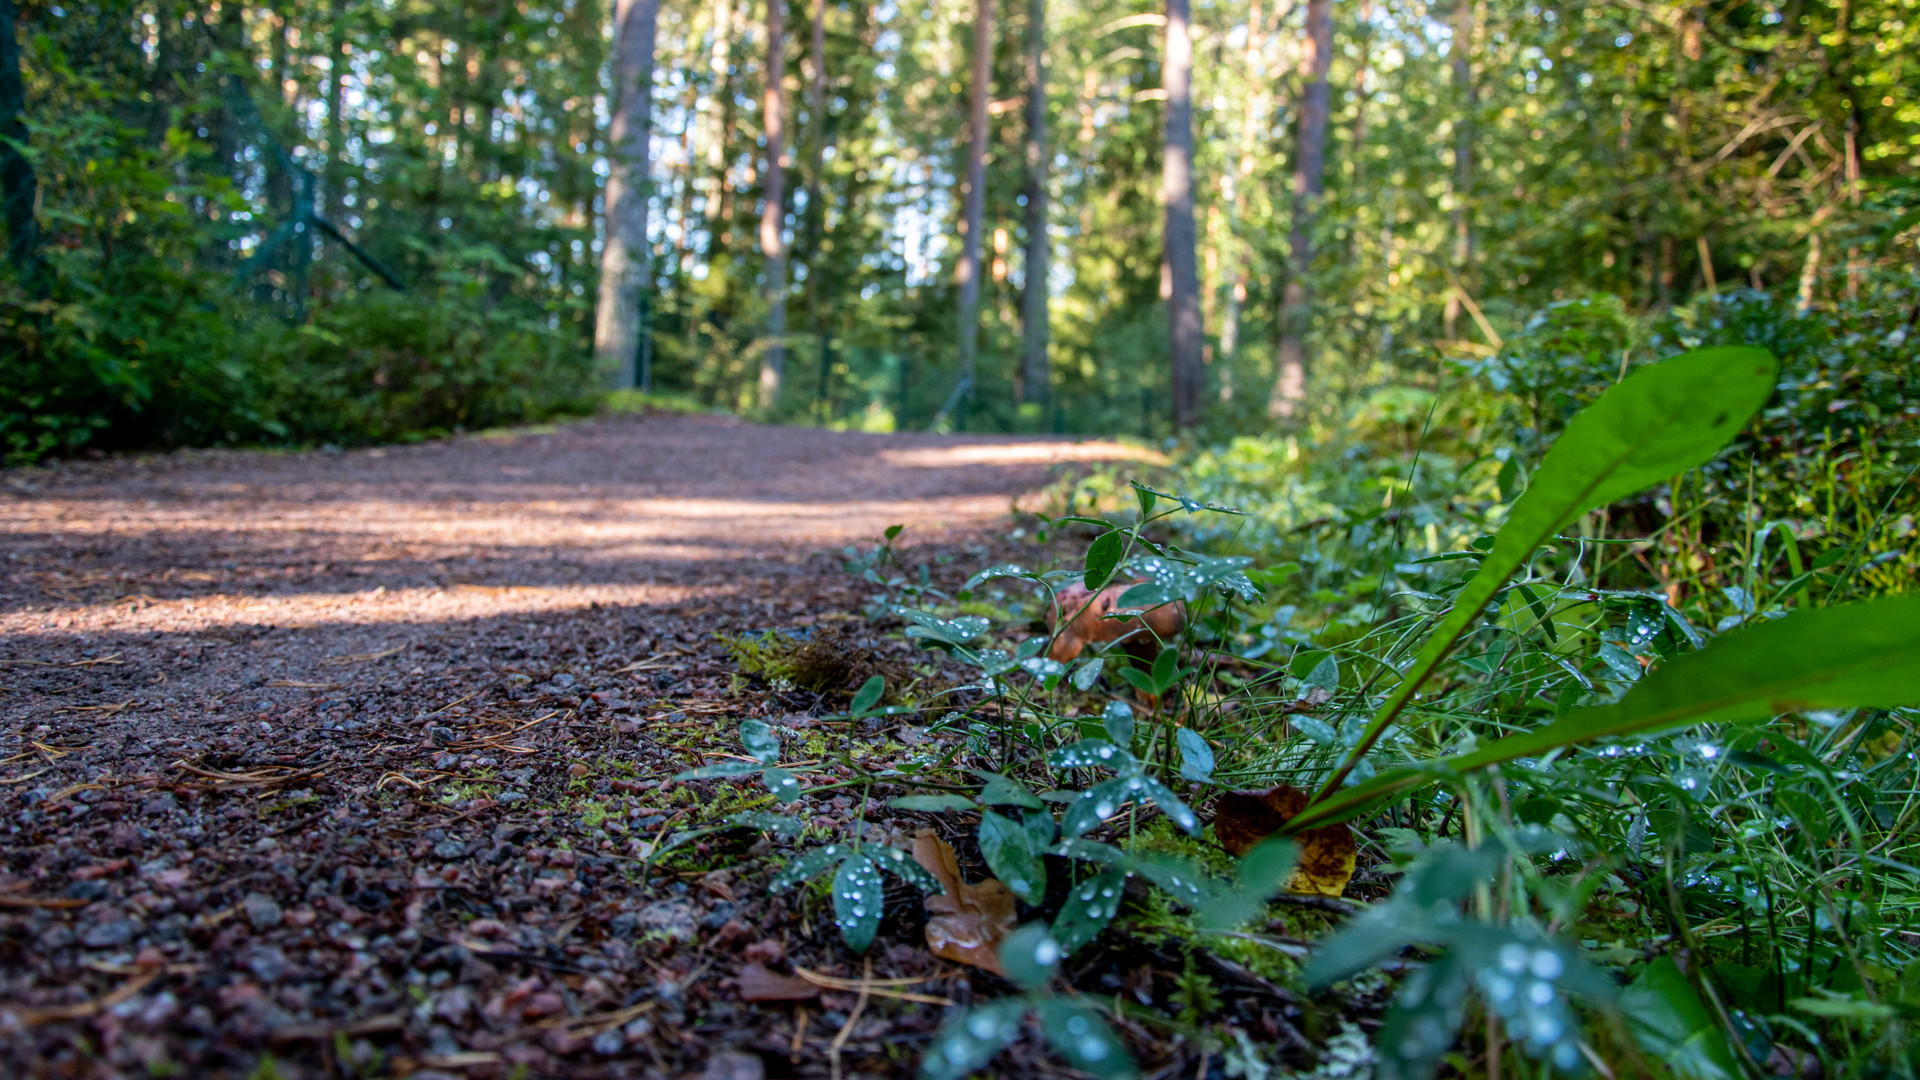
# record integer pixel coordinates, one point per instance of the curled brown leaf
(970, 919)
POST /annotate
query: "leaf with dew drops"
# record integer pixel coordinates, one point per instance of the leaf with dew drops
(807, 865)
(1091, 904)
(970, 1040)
(1030, 956)
(1083, 1037)
(859, 895)
(1012, 856)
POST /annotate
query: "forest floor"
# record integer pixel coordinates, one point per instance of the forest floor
(348, 764)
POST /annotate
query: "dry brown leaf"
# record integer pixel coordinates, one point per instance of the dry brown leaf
(970, 920)
(757, 983)
(1244, 818)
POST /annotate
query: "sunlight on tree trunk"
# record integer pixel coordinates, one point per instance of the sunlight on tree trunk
(773, 361)
(1035, 370)
(1309, 168)
(967, 273)
(334, 176)
(1176, 193)
(1240, 253)
(623, 259)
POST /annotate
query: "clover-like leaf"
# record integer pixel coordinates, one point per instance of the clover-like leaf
(808, 864)
(774, 823)
(784, 785)
(1082, 1036)
(1103, 558)
(1030, 956)
(933, 804)
(761, 743)
(1091, 754)
(1006, 791)
(723, 769)
(970, 1040)
(1096, 805)
(1013, 856)
(1118, 719)
(900, 864)
(859, 895)
(1196, 757)
(1091, 905)
(1087, 673)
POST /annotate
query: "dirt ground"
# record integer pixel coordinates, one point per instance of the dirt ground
(347, 764)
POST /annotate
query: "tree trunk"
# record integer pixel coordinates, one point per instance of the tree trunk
(1309, 166)
(1176, 194)
(773, 216)
(19, 188)
(816, 187)
(1241, 254)
(618, 323)
(1461, 54)
(334, 177)
(967, 274)
(1035, 370)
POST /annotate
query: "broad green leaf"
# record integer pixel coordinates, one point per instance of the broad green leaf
(1030, 956)
(970, 1040)
(775, 823)
(859, 895)
(1012, 856)
(1084, 1039)
(1103, 558)
(1196, 757)
(1166, 670)
(1324, 675)
(1087, 674)
(901, 865)
(725, 768)
(1090, 906)
(1661, 421)
(808, 865)
(1006, 791)
(1177, 811)
(1004, 570)
(1118, 719)
(868, 695)
(1669, 1022)
(894, 531)
(1177, 878)
(1092, 754)
(934, 804)
(784, 785)
(1095, 805)
(760, 741)
(1140, 680)
(1146, 498)
(1424, 1021)
(1864, 654)
(1144, 596)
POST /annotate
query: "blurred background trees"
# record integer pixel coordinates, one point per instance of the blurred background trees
(372, 219)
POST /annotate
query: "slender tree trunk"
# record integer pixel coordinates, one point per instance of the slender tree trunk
(618, 324)
(1461, 54)
(19, 188)
(1309, 167)
(1035, 369)
(967, 273)
(334, 178)
(1176, 194)
(816, 186)
(1241, 256)
(773, 216)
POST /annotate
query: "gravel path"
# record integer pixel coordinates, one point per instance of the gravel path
(347, 758)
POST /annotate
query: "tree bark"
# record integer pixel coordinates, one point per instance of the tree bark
(773, 245)
(1461, 55)
(19, 188)
(967, 273)
(816, 187)
(334, 177)
(1241, 254)
(1036, 373)
(1176, 194)
(1309, 167)
(623, 257)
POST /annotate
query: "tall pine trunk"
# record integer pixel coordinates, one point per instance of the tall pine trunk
(1035, 370)
(1309, 168)
(816, 188)
(773, 216)
(1240, 253)
(1176, 194)
(1460, 52)
(18, 186)
(334, 178)
(623, 257)
(967, 274)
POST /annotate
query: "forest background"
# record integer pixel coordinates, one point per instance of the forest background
(348, 221)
